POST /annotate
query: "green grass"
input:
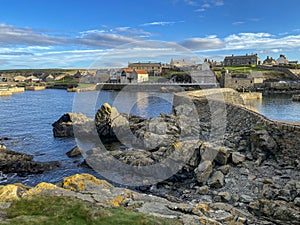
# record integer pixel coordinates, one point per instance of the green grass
(66, 210)
(269, 75)
(243, 69)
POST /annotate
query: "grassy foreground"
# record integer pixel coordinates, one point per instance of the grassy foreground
(66, 210)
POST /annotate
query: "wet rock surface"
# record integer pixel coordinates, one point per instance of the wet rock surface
(21, 163)
(252, 173)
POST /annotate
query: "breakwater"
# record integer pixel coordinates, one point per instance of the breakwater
(230, 118)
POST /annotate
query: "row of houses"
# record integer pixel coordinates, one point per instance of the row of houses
(253, 59)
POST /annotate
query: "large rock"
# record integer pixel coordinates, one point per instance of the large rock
(237, 158)
(222, 155)
(280, 212)
(71, 124)
(12, 192)
(217, 180)
(114, 126)
(203, 171)
(2, 147)
(74, 152)
(263, 143)
(22, 164)
(83, 182)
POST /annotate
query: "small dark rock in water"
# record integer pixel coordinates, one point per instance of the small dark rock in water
(74, 152)
(5, 139)
(22, 164)
(84, 164)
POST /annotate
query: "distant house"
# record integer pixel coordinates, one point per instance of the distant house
(32, 79)
(282, 60)
(126, 76)
(19, 79)
(181, 63)
(205, 65)
(60, 77)
(133, 76)
(114, 76)
(238, 81)
(50, 77)
(5, 78)
(293, 62)
(269, 61)
(242, 60)
(140, 76)
(153, 69)
(77, 74)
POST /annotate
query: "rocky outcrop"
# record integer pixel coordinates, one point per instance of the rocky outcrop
(71, 124)
(220, 152)
(21, 163)
(102, 193)
(74, 152)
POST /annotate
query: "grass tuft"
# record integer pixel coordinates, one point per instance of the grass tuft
(51, 210)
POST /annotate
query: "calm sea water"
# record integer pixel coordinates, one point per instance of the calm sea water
(27, 118)
(278, 107)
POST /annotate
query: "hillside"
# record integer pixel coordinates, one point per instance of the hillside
(269, 75)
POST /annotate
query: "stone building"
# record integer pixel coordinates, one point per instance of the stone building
(153, 69)
(282, 60)
(269, 61)
(239, 81)
(181, 63)
(242, 60)
(19, 78)
(133, 76)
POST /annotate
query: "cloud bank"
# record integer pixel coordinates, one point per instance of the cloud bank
(42, 49)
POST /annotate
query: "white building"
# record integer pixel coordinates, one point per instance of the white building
(282, 60)
(133, 76)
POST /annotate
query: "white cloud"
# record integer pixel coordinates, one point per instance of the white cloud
(255, 19)
(214, 2)
(267, 51)
(219, 3)
(261, 40)
(203, 44)
(200, 10)
(238, 23)
(121, 29)
(206, 5)
(43, 50)
(160, 23)
(191, 2)
(11, 35)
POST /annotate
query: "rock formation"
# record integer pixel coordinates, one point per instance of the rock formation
(102, 193)
(221, 152)
(21, 163)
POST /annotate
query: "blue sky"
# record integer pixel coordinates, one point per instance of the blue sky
(83, 34)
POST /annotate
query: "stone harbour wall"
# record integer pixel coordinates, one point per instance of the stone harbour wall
(242, 128)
